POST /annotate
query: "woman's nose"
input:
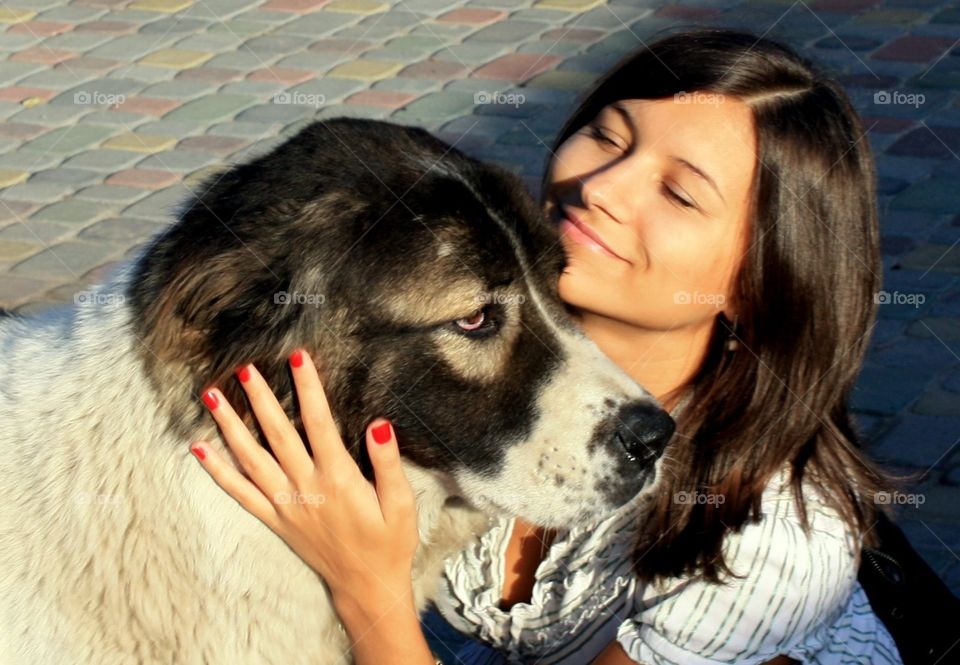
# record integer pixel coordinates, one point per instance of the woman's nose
(609, 190)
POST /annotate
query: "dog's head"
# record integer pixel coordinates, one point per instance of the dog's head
(425, 283)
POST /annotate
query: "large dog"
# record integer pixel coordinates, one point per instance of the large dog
(424, 282)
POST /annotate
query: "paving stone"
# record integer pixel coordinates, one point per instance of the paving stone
(356, 6)
(938, 195)
(12, 211)
(930, 142)
(111, 27)
(131, 47)
(886, 390)
(277, 43)
(561, 81)
(211, 109)
(318, 24)
(12, 15)
(99, 92)
(508, 32)
(178, 161)
(176, 58)
(9, 177)
(938, 403)
(143, 178)
(100, 160)
(516, 67)
(281, 112)
(179, 89)
(247, 25)
(71, 212)
(68, 140)
(15, 288)
(941, 258)
(296, 6)
(140, 143)
(165, 6)
(925, 356)
(122, 229)
(65, 260)
(110, 194)
(365, 70)
(69, 176)
(918, 440)
(174, 25)
(76, 42)
(35, 231)
(159, 205)
(472, 53)
(948, 15)
(209, 42)
(207, 74)
(913, 48)
(242, 129)
(943, 329)
(562, 49)
(383, 98)
(16, 250)
(219, 9)
(41, 28)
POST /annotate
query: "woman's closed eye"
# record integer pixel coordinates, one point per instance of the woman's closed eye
(679, 199)
(599, 135)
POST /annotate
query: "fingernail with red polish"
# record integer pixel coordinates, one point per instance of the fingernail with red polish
(198, 451)
(381, 433)
(243, 373)
(296, 358)
(210, 399)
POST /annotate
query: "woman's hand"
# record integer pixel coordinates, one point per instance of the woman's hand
(360, 537)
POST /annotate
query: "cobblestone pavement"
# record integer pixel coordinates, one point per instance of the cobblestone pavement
(112, 108)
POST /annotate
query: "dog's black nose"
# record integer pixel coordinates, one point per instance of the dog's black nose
(644, 430)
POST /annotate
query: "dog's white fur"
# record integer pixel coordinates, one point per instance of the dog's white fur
(91, 449)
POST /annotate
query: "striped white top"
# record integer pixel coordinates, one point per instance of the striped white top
(798, 596)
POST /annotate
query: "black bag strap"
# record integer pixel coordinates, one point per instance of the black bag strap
(918, 609)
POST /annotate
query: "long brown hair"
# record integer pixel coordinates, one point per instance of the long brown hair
(805, 295)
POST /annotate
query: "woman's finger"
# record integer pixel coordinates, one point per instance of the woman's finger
(280, 432)
(256, 462)
(325, 440)
(393, 489)
(233, 482)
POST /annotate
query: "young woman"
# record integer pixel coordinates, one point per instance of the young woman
(715, 198)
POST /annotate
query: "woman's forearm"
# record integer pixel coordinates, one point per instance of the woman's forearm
(385, 632)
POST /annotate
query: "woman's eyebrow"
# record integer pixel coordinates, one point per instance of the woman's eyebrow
(700, 173)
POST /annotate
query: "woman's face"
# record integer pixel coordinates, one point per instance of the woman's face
(652, 200)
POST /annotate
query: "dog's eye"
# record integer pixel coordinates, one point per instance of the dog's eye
(479, 323)
(473, 322)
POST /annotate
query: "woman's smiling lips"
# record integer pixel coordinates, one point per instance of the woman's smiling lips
(581, 233)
